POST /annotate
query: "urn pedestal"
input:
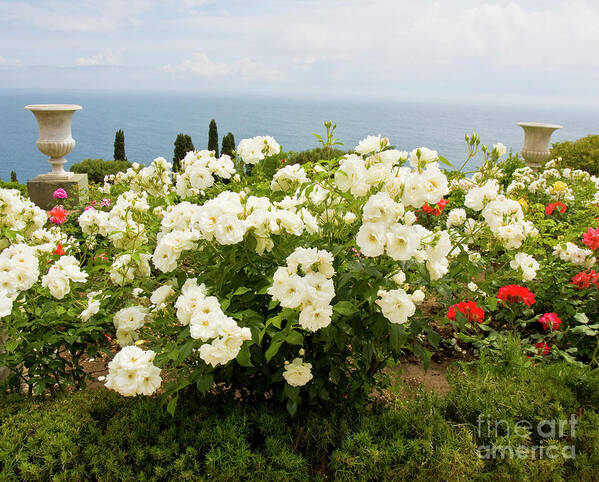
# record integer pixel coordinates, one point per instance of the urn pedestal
(536, 142)
(56, 141)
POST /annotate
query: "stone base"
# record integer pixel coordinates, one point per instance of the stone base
(41, 190)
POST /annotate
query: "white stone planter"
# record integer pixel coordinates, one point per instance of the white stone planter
(55, 139)
(536, 142)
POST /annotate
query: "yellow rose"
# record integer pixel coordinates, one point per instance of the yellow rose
(523, 203)
(559, 186)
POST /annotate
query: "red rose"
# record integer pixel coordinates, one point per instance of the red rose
(550, 320)
(515, 294)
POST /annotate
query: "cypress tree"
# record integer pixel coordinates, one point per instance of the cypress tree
(213, 138)
(183, 145)
(13, 176)
(228, 144)
(119, 146)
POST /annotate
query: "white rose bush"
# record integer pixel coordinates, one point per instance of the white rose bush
(296, 283)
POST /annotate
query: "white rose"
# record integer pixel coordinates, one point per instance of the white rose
(297, 373)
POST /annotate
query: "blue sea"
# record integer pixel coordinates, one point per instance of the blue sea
(151, 122)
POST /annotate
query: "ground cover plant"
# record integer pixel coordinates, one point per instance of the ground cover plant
(97, 434)
(297, 284)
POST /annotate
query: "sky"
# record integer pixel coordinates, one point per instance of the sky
(539, 50)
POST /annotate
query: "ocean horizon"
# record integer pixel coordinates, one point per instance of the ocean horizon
(152, 120)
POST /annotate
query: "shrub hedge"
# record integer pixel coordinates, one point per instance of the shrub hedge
(96, 169)
(100, 435)
(580, 154)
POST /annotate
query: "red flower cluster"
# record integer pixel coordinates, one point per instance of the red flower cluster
(559, 206)
(543, 348)
(469, 309)
(583, 279)
(437, 210)
(58, 215)
(550, 320)
(516, 293)
(591, 238)
(58, 251)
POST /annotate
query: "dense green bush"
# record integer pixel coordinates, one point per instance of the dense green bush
(22, 188)
(96, 169)
(312, 155)
(580, 154)
(100, 435)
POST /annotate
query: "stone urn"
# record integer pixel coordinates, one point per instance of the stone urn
(55, 139)
(536, 142)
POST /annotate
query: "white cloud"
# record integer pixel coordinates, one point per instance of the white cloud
(107, 57)
(202, 66)
(4, 62)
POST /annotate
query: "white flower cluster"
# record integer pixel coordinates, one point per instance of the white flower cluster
(119, 224)
(306, 283)
(198, 171)
(422, 156)
(478, 196)
(527, 264)
(19, 270)
(60, 274)
(255, 149)
(161, 294)
(126, 268)
(506, 221)
(371, 144)
(575, 255)
(397, 306)
(456, 217)
(297, 373)
(154, 179)
(207, 321)
(93, 305)
(288, 178)
(357, 174)
(380, 230)
(19, 214)
(127, 321)
(131, 372)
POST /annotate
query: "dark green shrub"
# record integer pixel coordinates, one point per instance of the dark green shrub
(183, 145)
(228, 144)
(313, 155)
(13, 177)
(22, 188)
(96, 169)
(213, 137)
(580, 154)
(102, 436)
(119, 146)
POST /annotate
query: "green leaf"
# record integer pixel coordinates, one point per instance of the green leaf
(295, 338)
(204, 382)
(397, 337)
(244, 357)
(445, 161)
(273, 349)
(291, 407)
(345, 308)
(241, 291)
(172, 405)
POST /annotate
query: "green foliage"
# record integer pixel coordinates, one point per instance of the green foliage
(13, 177)
(213, 137)
(96, 169)
(580, 154)
(119, 146)
(183, 145)
(312, 155)
(100, 435)
(228, 144)
(22, 188)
